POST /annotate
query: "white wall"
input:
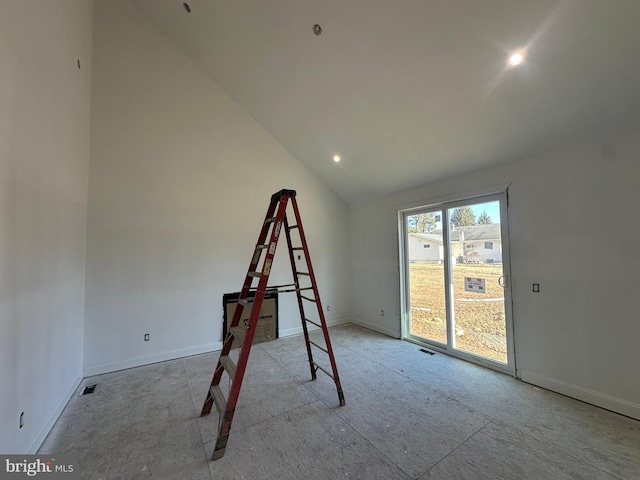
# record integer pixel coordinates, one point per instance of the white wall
(180, 181)
(579, 335)
(44, 160)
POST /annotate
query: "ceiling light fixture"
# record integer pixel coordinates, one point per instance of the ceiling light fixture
(336, 158)
(516, 58)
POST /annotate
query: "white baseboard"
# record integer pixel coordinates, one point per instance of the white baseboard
(376, 328)
(603, 400)
(288, 332)
(51, 420)
(92, 370)
(160, 357)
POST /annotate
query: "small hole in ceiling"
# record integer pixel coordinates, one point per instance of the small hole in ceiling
(78, 61)
(317, 29)
(186, 7)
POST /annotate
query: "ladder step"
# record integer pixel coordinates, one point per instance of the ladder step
(245, 301)
(307, 298)
(325, 371)
(318, 346)
(270, 220)
(297, 248)
(291, 227)
(261, 247)
(313, 323)
(255, 274)
(228, 365)
(292, 290)
(218, 399)
(238, 332)
(304, 273)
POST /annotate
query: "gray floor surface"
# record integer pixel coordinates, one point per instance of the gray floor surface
(409, 415)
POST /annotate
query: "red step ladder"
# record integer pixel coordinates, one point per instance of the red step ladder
(275, 223)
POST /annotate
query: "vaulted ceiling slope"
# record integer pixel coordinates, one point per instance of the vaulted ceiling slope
(410, 91)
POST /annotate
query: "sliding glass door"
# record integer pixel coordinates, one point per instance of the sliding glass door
(456, 287)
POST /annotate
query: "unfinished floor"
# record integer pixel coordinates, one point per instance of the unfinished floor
(408, 415)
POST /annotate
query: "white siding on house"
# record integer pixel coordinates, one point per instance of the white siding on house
(424, 250)
(477, 251)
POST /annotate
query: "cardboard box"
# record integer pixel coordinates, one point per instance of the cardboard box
(267, 327)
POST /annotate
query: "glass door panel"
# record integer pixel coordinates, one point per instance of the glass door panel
(477, 279)
(426, 280)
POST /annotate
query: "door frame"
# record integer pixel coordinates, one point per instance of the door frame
(496, 193)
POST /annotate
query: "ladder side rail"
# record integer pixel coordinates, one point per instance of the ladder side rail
(245, 349)
(237, 314)
(255, 259)
(296, 280)
(314, 284)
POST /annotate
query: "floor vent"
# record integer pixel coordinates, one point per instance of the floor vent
(424, 350)
(88, 389)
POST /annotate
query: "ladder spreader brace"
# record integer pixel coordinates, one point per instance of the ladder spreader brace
(274, 224)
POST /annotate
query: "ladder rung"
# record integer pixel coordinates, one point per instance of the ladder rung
(270, 220)
(245, 302)
(261, 247)
(238, 332)
(218, 399)
(229, 366)
(291, 227)
(325, 371)
(297, 248)
(314, 323)
(321, 348)
(293, 290)
(307, 298)
(255, 274)
(304, 273)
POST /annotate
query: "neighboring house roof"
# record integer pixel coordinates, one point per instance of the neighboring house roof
(428, 236)
(476, 232)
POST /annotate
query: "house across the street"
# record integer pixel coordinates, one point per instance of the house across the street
(470, 244)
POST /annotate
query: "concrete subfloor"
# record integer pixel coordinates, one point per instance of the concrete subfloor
(409, 415)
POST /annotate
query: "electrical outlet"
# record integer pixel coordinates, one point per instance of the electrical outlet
(146, 337)
(382, 313)
(536, 288)
(22, 420)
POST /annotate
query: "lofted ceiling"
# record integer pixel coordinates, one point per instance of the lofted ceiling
(410, 91)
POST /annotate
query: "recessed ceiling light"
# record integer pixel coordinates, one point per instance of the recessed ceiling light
(516, 58)
(336, 158)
